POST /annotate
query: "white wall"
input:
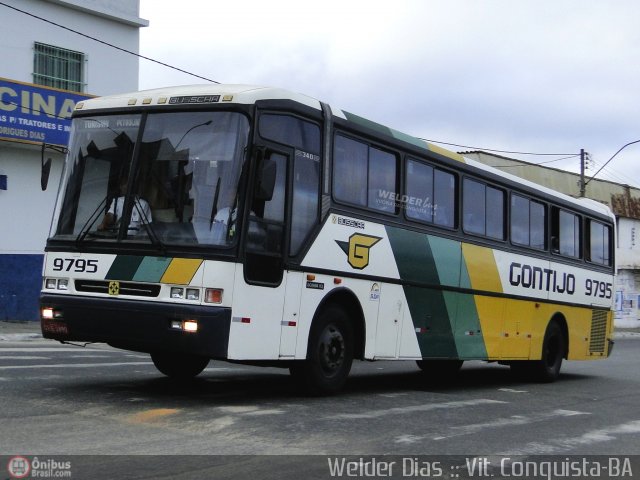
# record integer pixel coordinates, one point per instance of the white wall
(25, 210)
(628, 251)
(107, 70)
(627, 307)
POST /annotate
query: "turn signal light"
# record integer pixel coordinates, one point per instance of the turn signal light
(213, 295)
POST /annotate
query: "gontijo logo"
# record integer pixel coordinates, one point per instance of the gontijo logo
(357, 249)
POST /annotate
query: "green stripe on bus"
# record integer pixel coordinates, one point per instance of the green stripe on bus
(468, 331)
(151, 269)
(428, 308)
(413, 256)
(447, 257)
(124, 267)
(446, 322)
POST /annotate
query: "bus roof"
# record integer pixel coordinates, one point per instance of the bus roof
(197, 95)
(248, 94)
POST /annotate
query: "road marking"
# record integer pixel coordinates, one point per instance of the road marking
(566, 444)
(49, 349)
(413, 409)
(93, 356)
(23, 357)
(515, 420)
(511, 390)
(73, 365)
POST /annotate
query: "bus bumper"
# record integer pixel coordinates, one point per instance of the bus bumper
(611, 344)
(137, 325)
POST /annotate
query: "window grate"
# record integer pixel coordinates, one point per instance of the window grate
(58, 67)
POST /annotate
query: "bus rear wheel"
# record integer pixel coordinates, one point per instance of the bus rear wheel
(180, 366)
(547, 369)
(329, 354)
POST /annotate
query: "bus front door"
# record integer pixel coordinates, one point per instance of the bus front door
(260, 291)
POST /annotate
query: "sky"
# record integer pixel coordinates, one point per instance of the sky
(538, 76)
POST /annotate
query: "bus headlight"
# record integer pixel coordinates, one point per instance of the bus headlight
(193, 294)
(177, 292)
(56, 283)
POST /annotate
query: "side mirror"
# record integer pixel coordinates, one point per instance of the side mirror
(44, 174)
(45, 169)
(265, 180)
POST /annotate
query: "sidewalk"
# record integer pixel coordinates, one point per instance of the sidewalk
(19, 331)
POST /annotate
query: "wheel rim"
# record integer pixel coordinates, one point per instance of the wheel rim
(332, 349)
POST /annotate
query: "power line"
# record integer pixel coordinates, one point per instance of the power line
(107, 43)
(527, 164)
(499, 151)
(613, 174)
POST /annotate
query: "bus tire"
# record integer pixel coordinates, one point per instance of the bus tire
(441, 369)
(547, 369)
(180, 366)
(329, 354)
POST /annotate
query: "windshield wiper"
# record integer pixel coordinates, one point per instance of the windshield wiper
(153, 236)
(84, 231)
(214, 207)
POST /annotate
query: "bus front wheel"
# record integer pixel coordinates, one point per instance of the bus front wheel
(179, 365)
(329, 354)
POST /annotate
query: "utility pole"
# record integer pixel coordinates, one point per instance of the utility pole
(583, 186)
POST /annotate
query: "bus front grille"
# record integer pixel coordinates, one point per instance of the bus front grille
(125, 288)
(598, 331)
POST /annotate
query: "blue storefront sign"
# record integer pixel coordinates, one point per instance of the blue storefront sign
(36, 114)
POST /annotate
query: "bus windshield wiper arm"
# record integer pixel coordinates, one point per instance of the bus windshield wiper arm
(151, 232)
(84, 231)
(214, 207)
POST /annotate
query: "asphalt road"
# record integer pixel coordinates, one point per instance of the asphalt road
(63, 400)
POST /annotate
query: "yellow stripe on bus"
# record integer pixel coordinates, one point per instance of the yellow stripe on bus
(181, 271)
(482, 268)
(446, 153)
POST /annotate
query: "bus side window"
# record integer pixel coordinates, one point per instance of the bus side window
(304, 208)
(599, 238)
(431, 194)
(304, 136)
(566, 233)
(350, 163)
(528, 222)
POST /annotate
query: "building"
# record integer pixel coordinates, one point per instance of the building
(45, 70)
(623, 200)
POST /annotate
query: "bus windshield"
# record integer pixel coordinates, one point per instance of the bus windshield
(166, 178)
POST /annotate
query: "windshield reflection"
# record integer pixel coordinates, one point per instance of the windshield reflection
(176, 182)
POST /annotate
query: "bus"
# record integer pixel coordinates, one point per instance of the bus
(256, 225)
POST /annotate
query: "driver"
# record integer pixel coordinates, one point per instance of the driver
(141, 213)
